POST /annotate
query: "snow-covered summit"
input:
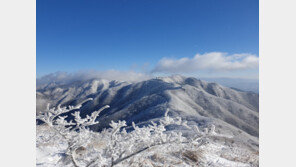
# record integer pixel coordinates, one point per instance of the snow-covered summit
(233, 112)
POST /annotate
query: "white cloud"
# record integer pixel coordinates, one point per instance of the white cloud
(209, 63)
(64, 77)
(214, 61)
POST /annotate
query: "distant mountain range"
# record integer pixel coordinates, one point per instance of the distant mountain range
(237, 83)
(199, 102)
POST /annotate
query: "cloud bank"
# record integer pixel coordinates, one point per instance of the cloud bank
(213, 61)
(64, 77)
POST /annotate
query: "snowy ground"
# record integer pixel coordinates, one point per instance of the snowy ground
(211, 154)
(64, 143)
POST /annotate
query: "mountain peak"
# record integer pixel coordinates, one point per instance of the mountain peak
(188, 97)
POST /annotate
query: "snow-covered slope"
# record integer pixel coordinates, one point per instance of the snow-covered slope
(233, 112)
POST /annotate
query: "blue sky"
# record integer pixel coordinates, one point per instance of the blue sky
(144, 35)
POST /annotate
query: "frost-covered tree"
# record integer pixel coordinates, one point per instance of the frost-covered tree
(75, 133)
(78, 146)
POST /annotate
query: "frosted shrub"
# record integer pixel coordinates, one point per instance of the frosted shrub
(72, 143)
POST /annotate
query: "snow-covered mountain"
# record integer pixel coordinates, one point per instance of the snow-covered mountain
(237, 83)
(233, 112)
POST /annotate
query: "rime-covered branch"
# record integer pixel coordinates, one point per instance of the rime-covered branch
(115, 145)
(52, 117)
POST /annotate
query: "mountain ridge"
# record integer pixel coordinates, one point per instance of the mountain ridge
(197, 101)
